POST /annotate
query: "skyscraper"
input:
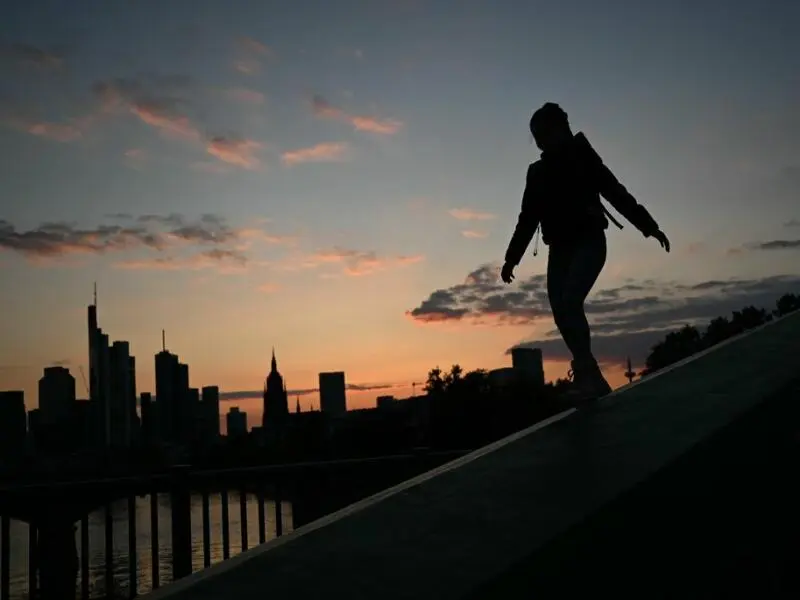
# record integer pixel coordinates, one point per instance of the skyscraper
(13, 424)
(332, 394)
(276, 401)
(99, 377)
(172, 397)
(122, 402)
(57, 409)
(211, 411)
(56, 396)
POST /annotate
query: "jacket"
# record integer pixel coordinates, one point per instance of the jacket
(562, 195)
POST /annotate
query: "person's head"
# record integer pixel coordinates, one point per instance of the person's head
(550, 126)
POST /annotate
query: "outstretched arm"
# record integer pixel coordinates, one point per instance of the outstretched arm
(527, 222)
(618, 196)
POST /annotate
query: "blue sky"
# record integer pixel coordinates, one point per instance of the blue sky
(351, 158)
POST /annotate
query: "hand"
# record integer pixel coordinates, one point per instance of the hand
(507, 273)
(662, 239)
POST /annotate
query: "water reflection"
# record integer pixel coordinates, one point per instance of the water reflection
(97, 583)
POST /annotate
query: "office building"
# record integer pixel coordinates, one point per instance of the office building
(332, 394)
(56, 396)
(122, 401)
(13, 424)
(236, 421)
(528, 364)
(210, 404)
(176, 417)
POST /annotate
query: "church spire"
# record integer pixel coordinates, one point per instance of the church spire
(274, 362)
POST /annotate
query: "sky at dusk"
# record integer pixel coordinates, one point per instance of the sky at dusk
(340, 180)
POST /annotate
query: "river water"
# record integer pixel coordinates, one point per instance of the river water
(97, 585)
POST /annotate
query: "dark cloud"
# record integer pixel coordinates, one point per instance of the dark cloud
(355, 387)
(792, 223)
(777, 245)
(155, 232)
(626, 320)
(29, 55)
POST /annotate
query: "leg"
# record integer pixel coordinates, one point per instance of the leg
(571, 274)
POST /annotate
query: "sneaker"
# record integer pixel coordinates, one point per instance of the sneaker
(588, 382)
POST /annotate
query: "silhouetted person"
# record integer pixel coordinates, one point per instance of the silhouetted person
(562, 195)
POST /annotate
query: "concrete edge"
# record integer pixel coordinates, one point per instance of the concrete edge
(180, 585)
(224, 566)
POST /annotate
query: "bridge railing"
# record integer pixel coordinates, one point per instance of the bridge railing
(61, 556)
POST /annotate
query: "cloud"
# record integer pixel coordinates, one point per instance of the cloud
(209, 240)
(325, 110)
(163, 118)
(468, 214)
(697, 248)
(269, 288)
(324, 152)
(135, 158)
(778, 245)
(472, 234)
(770, 245)
(356, 263)
(246, 96)
(28, 55)
(223, 260)
(626, 319)
(59, 132)
(353, 387)
(239, 152)
(160, 103)
(792, 223)
(250, 53)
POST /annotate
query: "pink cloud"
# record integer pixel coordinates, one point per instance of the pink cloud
(246, 96)
(239, 152)
(324, 109)
(324, 152)
(169, 124)
(468, 214)
(356, 263)
(472, 234)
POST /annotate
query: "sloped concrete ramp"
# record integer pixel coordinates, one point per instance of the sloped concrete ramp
(675, 486)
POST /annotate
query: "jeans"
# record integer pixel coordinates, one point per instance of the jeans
(572, 269)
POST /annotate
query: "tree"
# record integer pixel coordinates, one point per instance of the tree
(786, 304)
(676, 346)
(435, 384)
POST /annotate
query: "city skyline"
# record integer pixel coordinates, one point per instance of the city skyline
(346, 197)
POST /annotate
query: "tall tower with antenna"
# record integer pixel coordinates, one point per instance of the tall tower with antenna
(630, 373)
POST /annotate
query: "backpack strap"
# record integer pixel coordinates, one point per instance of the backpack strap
(610, 216)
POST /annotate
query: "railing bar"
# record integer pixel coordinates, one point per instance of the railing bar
(132, 572)
(262, 532)
(85, 557)
(32, 560)
(206, 531)
(243, 516)
(154, 540)
(5, 560)
(109, 539)
(278, 517)
(226, 540)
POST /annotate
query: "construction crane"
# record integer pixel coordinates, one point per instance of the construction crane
(85, 385)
